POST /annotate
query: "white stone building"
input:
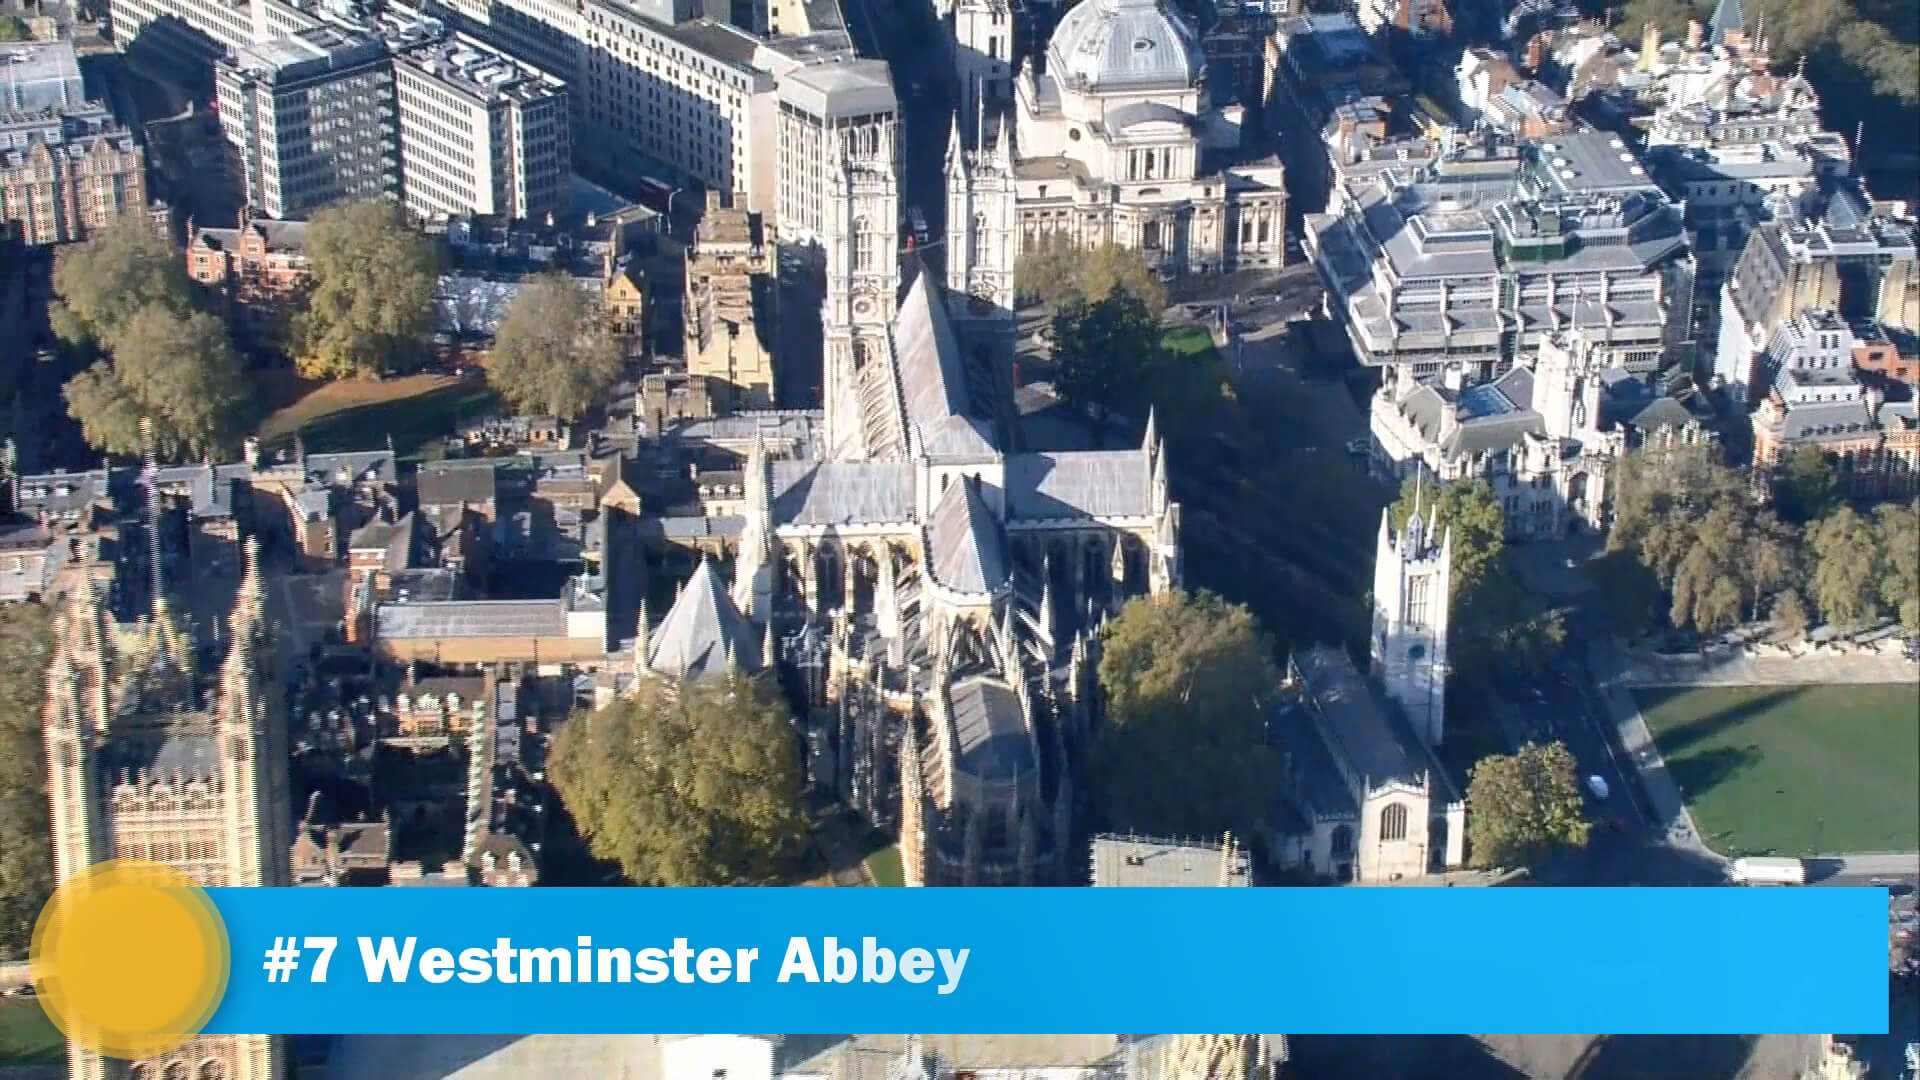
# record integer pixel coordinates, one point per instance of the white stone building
(1363, 798)
(1117, 140)
(480, 132)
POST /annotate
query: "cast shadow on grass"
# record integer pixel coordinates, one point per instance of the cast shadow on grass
(1697, 774)
(1677, 739)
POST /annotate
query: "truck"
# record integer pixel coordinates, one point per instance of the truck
(1769, 871)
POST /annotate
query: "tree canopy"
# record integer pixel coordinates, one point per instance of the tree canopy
(1525, 806)
(1718, 555)
(1874, 36)
(1057, 274)
(699, 784)
(102, 283)
(1899, 528)
(554, 352)
(26, 872)
(370, 310)
(1496, 622)
(1845, 555)
(1182, 751)
(1807, 487)
(1106, 355)
(180, 372)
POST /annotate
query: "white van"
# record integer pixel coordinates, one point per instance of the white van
(1760, 870)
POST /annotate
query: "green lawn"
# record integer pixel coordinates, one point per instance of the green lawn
(1188, 338)
(1794, 770)
(27, 1037)
(356, 414)
(884, 865)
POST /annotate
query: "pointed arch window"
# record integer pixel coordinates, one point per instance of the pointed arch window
(977, 239)
(862, 245)
(1393, 822)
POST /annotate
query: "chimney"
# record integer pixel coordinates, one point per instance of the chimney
(1696, 35)
(250, 452)
(1649, 45)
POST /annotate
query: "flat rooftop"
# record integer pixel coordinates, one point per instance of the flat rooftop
(1144, 862)
(479, 70)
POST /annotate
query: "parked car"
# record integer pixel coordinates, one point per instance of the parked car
(1598, 787)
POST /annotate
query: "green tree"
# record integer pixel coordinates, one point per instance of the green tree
(370, 309)
(26, 872)
(180, 372)
(1183, 751)
(1057, 274)
(554, 352)
(13, 28)
(1106, 355)
(1731, 560)
(1807, 489)
(1844, 554)
(1470, 510)
(1526, 806)
(1898, 529)
(103, 282)
(1046, 272)
(1875, 36)
(1496, 621)
(699, 784)
(1627, 592)
(1790, 614)
(1654, 485)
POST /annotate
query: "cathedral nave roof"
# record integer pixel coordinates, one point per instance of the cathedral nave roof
(701, 628)
(1079, 484)
(969, 547)
(989, 729)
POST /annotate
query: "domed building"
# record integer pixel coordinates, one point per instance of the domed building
(1115, 139)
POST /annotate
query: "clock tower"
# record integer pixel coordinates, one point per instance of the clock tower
(1412, 575)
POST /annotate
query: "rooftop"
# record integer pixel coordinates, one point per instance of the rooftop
(1137, 862)
(479, 70)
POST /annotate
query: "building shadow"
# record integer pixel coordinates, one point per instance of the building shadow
(1396, 1057)
(1706, 727)
(1656, 1057)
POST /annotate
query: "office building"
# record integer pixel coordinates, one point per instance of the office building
(311, 119)
(678, 102)
(822, 107)
(479, 132)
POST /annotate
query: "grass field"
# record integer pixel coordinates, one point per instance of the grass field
(1794, 770)
(359, 414)
(884, 865)
(27, 1037)
(1187, 338)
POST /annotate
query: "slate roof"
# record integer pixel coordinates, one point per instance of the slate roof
(186, 750)
(989, 731)
(454, 483)
(1097, 483)
(1314, 776)
(840, 493)
(1663, 413)
(692, 640)
(1360, 728)
(933, 378)
(968, 548)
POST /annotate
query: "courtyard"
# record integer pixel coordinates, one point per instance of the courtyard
(1794, 770)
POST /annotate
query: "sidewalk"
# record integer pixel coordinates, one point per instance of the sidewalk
(1669, 808)
(1733, 667)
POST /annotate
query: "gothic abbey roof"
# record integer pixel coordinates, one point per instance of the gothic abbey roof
(989, 730)
(701, 627)
(942, 408)
(969, 548)
(841, 493)
(1095, 483)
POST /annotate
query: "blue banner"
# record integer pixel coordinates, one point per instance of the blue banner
(1036, 961)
